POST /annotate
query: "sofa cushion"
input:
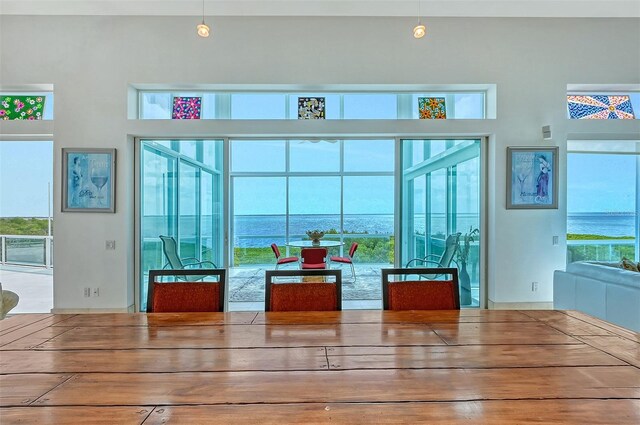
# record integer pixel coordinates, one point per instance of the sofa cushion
(608, 273)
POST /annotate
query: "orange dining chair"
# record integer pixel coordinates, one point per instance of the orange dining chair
(282, 260)
(313, 258)
(190, 296)
(346, 260)
(416, 294)
(319, 295)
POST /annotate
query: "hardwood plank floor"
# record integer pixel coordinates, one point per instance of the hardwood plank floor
(472, 412)
(354, 367)
(363, 386)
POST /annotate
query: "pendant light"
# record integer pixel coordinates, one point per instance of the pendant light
(419, 30)
(203, 29)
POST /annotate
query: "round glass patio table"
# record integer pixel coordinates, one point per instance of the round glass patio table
(309, 244)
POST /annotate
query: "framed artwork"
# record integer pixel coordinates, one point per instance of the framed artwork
(186, 108)
(432, 108)
(21, 107)
(88, 180)
(311, 108)
(532, 178)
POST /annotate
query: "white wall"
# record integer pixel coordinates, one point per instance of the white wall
(92, 60)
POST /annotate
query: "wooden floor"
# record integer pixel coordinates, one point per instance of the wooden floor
(354, 367)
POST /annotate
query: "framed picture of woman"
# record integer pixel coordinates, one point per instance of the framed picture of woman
(532, 177)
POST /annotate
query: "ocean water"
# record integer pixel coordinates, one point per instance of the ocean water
(262, 230)
(609, 224)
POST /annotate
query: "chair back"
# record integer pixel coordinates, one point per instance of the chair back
(450, 249)
(174, 297)
(405, 294)
(318, 295)
(353, 249)
(170, 248)
(276, 251)
(313, 255)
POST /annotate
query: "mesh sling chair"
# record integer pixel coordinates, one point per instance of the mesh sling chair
(282, 260)
(408, 294)
(170, 248)
(191, 296)
(444, 260)
(318, 295)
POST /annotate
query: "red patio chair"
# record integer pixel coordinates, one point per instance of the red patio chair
(284, 260)
(313, 258)
(348, 259)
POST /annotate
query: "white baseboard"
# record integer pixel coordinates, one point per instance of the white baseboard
(129, 309)
(521, 306)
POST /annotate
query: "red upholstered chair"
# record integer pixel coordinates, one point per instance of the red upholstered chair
(191, 297)
(319, 295)
(408, 294)
(313, 258)
(283, 260)
(346, 260)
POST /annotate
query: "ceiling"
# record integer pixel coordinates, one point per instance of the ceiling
(458, 8)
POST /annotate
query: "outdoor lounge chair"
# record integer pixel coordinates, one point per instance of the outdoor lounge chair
(170, 248)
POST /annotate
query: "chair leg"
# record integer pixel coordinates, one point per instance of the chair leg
(277, 265)
(353, 272)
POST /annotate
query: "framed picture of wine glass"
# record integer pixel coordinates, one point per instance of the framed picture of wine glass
(88, 180)
(532, 178)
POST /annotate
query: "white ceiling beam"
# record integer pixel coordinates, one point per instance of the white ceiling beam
(395, 8)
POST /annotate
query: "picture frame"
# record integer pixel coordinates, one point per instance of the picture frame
(532, 177)
(88, 180)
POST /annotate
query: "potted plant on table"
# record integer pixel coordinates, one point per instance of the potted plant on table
(315, 236)
(462, 257)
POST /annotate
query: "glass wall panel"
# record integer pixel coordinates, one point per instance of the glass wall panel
(259, 218)
(368, 217)
(441, 199)
(602, 206)
(258, 106)
(370, 106)
(181, 197)
(314, 155)
(258, 155)
(351, 203)
(314, 203)
(369, 155)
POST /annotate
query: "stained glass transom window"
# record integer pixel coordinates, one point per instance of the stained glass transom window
(600, 107)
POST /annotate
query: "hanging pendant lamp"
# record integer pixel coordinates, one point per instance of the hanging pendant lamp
(419, 30)
(203, 29)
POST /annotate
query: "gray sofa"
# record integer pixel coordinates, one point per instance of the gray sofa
(602, 290)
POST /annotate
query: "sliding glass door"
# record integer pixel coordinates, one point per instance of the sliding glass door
(181, 197)
(441, 198)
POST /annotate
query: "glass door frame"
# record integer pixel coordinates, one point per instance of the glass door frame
(483, 211)
(218, 180)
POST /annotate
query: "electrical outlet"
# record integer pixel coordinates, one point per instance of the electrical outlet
(96, 292)
(87, 292)
(110, 245)
(555, 240)
(534, 286)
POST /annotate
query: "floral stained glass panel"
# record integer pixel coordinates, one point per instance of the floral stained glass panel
(311, 108)
(430, 108)
(186, 108)
(21, 107)
(600, 107)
